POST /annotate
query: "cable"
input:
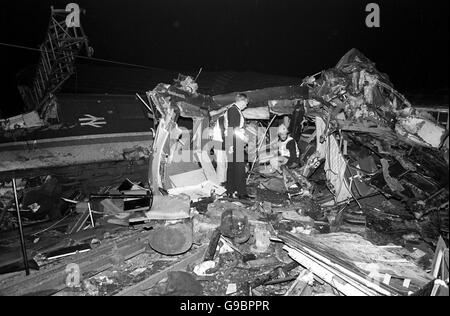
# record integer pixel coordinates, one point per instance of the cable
(51, 226)
(84, 57)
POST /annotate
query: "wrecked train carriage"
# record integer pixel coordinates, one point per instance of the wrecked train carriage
(181, 100)
(372, 139)
(359, 134)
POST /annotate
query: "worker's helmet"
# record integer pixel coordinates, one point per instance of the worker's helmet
(282, 130)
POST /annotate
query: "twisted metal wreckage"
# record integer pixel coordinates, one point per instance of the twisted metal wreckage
(349, 119)
(370, 141)
(369, 136)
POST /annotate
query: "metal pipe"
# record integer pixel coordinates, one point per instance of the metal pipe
(198, 75)
(119, 196)
(147, 106)
(90, 215)
(22, 239)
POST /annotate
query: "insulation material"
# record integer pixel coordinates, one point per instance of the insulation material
(335, 167)
(421, 131)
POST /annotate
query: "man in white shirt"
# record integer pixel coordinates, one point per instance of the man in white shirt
(288, 151)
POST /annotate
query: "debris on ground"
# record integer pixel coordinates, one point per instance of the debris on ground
(365, 213)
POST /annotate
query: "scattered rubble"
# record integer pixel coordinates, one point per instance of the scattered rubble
(365, 214)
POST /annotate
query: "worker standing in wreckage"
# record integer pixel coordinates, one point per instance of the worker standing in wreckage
(288, 151)
(230, 140)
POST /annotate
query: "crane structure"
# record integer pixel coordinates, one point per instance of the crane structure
(64, 41)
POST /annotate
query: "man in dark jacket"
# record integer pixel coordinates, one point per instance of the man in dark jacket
(234, 147)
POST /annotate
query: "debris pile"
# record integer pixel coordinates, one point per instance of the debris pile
(374, 142)
(365, 212)
(28, 120)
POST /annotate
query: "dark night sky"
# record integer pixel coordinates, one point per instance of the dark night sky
(293, 38)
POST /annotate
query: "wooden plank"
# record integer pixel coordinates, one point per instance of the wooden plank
(343, 286)
(94, 261)
(320, 255)
(196, 256)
